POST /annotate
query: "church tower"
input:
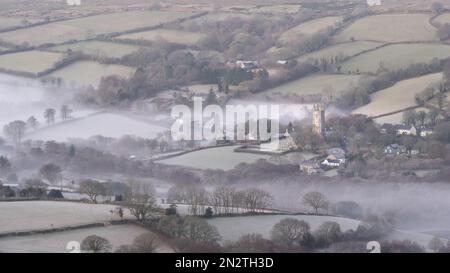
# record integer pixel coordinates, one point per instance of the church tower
(319, 119)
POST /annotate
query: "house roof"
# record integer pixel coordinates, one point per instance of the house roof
(395, 146)
(333, 161)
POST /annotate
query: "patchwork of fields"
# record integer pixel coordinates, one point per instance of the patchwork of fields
(317, 84)
(10, 22)
(390, 28)
(341, 51)
(169, 35)
(309, 28)
(85, 73)
(99, 49)
(32, 62)
(395, 57)
(89, 27)
(399, 96)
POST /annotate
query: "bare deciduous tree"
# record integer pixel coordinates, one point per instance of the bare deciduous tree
(316, 200)
(92, 188)
(65, 112)
(197, 199)
(32, 123)
(199, 231)
(290, 232)
(15, 130)
(257, 200)
(51, 172)
(328, 232)
(49, 115)
(96, 244)
(141, 200)
(145, 243)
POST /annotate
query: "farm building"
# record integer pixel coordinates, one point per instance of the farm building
(331, 162)
(335, 158)
(310, 167)
(404, 129)
(426, 131)
(247, 65)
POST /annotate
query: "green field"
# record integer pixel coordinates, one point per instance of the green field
(341, 51)
(390, 28)
(88, 27)
(99, 49)
(171, 36)
(32, 62)
(309, 28)
(316, 84)
(84, 73)
(395, 57)
(399, 96)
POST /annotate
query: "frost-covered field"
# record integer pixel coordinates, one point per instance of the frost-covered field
(231, 228)
(223, 158)
(105, 124)
(39, 215)
(21, 98)
(56, 242)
